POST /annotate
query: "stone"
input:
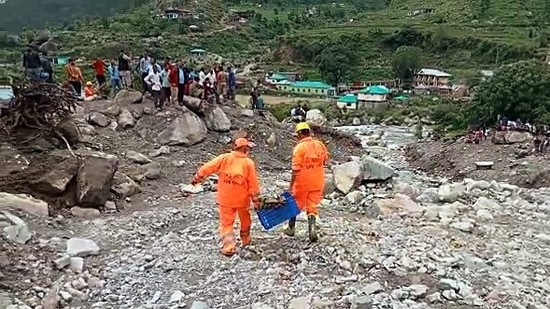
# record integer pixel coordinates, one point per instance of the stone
(450, 192)
(128, 96)
(511, 137)
(347, 176)
(63, 261)
(399, 204)
(163, 150)
(484, 215)
(110, 205)
(137, 157)
(176, 297)
(88, 213)
(152, 170)
(300, 302)
(18, 231)
(55, 182)
(124, 186)
(356, 121)
(94, 180)
(354, 197)
(418, 290)
(99, 119)
(486, 203)
(271, 140)
(448, 284)
(406, 189)
(126, 119)
(315, 118)
(429, 195)
(76, 264)
(372, 288)
(199, 305)
(188, 188)
(247, 113)
(23, 202)
(111, 111)
(187, 129)
(464, 226)
(81, 247)
(434, 298)
(376, 170)
(216, 120)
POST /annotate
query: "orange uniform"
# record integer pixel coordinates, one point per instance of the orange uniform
(89, 91)
(308, 162)
(237, 187)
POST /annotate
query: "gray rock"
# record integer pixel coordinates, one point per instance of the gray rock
(347, 176)
(216, 120)
(23, 202)
(88, 213)
(315, 118)
(434, 298)
(418, 290)
(187, 129)
(55, 182)
(187, 188)
(124, 186)
(18, 231)
(76, 264)
(300, 302)
(464, 226)
(137, 157)
(94, 180)
(450, 192)
(247, 113)
(429, 195)
(126, 119)
(112, 111)
(448, 284)
(99, 119)
(163, 150)
(176, 297)
(376, 170)
(372, 288)
(152, 170)
(356, 121)
(199, 305)
(63, 261)
(82, 247)
(128, 97)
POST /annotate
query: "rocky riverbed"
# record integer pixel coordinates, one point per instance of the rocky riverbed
(390, 238)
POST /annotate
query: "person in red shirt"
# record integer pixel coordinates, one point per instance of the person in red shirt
(99, 66)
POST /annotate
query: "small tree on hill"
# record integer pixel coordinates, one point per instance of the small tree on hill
(406, 62)
(519, 90)
(338, 62)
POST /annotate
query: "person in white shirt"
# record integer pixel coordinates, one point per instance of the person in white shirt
(153, 81)
(202, 77)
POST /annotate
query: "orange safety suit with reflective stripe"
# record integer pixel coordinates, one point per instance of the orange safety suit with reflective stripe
(308, 162)
(237, 187)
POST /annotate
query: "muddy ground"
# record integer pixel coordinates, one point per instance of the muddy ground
(517, 164)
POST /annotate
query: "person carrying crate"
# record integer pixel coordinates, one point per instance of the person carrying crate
(308, 177)
(237, 186)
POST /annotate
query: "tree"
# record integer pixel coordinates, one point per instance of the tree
(338, 62)
(519, 90)
(406, 62)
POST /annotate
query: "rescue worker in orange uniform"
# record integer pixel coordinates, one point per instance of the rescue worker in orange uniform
(308, 177)
(237, 187)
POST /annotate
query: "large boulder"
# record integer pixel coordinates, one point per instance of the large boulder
(347, 176)
(376, 170)
(94, 180)
(399, 204)
(126, 119)
(99, 119)
(23, 202)
(511, 137)
(55, 182)
(124, 186)
(315, 118)
(216, 120)
(450, 192)
(128, 97)
(187, 129)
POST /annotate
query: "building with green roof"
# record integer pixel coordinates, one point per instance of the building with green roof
(348, 101)
(307, 88)
(378, 93)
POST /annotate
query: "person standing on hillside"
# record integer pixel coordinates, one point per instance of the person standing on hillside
(231, 83)
(32, 64)
(74, 76)
(166, 87)
(182, 79)
(114, 74)
(153, 82)
(99, 68)
(125, 70)
(308, 178)
(238, 185)
(144, 67)
(221, 77)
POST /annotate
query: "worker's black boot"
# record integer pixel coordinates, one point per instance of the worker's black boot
(291, 229)
(312, 228)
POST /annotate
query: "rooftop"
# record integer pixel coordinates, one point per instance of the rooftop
(433, 72)
(348, 98)
(311, 84)
(198, 50)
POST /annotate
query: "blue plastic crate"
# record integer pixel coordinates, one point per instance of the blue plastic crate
(270, 218)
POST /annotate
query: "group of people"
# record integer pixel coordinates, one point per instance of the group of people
(238, 186)
(37, 65)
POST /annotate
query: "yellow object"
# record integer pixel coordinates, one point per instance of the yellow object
(302, 126)
(89, 83)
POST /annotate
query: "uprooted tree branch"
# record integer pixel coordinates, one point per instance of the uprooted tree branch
(37, 109)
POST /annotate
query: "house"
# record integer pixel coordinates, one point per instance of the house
(420, 12)
(174, 13)
(290, 76)
(486, 74)
(276, 78)
(198, 52)
(432, 80)
(373, 94)
(349, 101)
(241, 16)
(307, 88)
(356, 86)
